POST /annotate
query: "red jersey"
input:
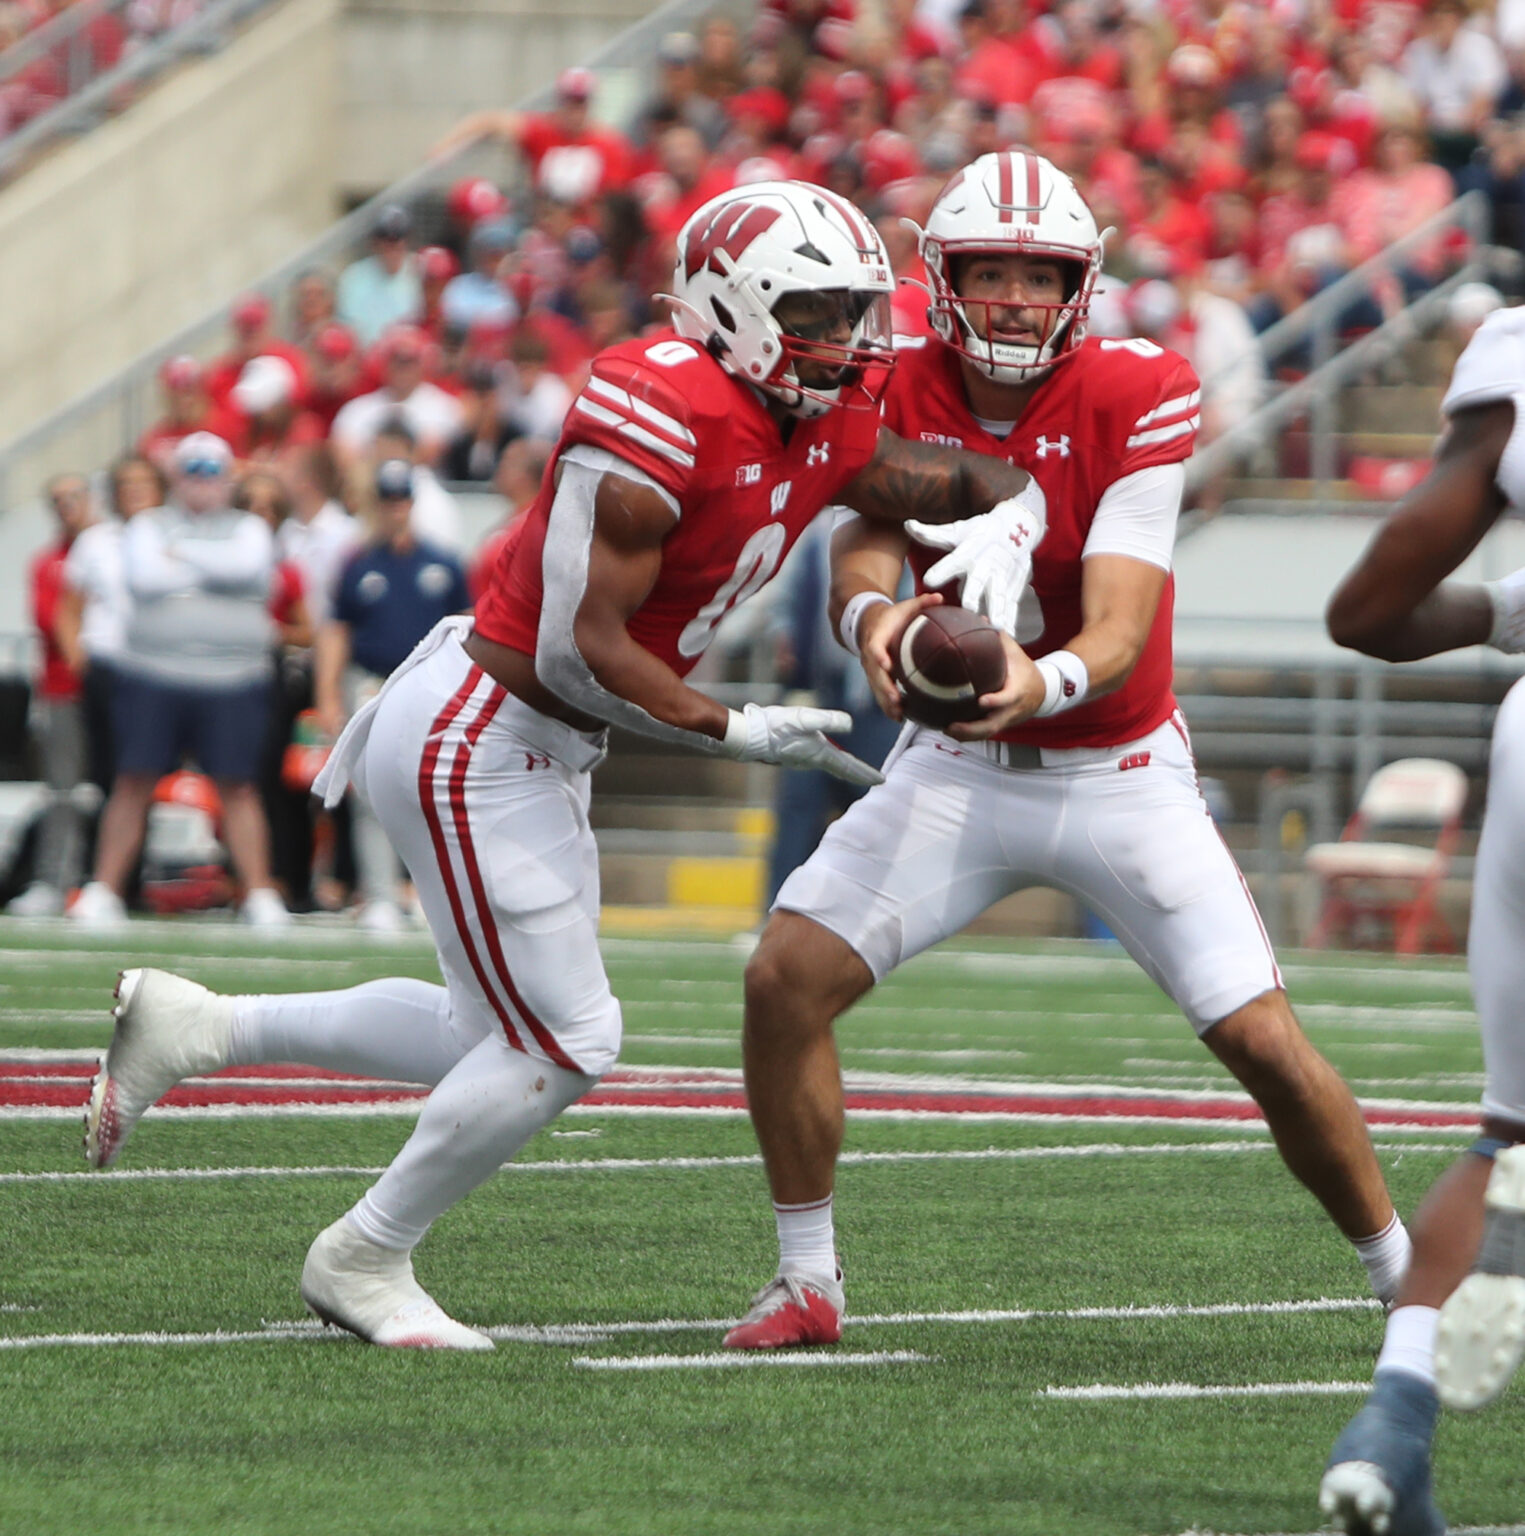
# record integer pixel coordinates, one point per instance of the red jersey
(58, 679)
(744, 494)
(1113, 408)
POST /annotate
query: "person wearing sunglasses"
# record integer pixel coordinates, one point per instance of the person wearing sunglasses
(194, 676)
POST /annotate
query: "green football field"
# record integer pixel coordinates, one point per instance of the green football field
(1084, 1297)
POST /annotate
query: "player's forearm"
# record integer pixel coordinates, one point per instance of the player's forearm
(1454, 615)
(930, 483)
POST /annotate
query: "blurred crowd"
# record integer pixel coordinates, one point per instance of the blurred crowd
(100, 44)
(1245, 156)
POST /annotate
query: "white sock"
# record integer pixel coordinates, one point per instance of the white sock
(1410, 1342)
(398, 1028)
(807, 1243)
(483, 1110)
(1386, 1257)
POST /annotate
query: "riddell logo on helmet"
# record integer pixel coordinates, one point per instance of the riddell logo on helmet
(731, 230)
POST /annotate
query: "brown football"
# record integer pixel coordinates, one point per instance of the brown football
(944, 660)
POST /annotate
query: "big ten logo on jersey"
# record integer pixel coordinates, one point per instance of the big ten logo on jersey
(748, 474)
(944, 438)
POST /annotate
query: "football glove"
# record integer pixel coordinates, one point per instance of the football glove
(779, 733)
(990, 556)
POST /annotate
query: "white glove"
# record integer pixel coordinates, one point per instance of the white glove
(1508, 597)
(991, 555)
(778, 733)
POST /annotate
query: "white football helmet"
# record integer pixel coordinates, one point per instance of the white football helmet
(1011, 201)
(745, 250)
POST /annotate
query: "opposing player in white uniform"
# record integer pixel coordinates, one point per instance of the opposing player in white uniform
(1080, 777)
(687, 467)
(1397, 605)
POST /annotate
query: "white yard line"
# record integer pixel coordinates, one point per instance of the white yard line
(592, 1332)
(751, 1359)
(1100, 1149)
(1103, 1392)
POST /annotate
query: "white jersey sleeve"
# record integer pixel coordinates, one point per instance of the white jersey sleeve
(1492, 369)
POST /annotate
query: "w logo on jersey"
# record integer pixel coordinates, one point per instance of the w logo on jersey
(780, 497)
(731, 230)
(1060, 445)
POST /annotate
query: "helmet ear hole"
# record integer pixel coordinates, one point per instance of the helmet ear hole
(723, 315)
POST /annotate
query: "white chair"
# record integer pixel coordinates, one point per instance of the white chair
(1395, 883)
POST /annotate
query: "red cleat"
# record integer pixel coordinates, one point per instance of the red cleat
(791, 1310)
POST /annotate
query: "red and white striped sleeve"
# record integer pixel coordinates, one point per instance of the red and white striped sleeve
(1163, 415)
(642, 418)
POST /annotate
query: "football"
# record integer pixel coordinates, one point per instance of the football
(944, 660)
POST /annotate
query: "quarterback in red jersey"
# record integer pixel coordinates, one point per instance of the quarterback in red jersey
(1081, 768)
(686, 468)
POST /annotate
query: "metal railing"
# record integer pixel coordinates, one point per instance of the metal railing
(89, 100)
(1316, 325)
(97, 425)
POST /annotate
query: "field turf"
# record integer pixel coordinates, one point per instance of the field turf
(1015, 1281)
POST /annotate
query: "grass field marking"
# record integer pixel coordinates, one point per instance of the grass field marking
(1103, 1392)
(1102, 1149)
(733, 1359)
(1451, 1530)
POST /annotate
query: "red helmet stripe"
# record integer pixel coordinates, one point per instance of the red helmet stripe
(1033, 194)
(1008, 192)
(857, 224)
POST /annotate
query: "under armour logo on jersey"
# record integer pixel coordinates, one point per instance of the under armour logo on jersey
(749, 474)
(534, 760)
(779, 499)
(818, 453)
(1060, 445)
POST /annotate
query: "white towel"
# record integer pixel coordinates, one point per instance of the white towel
(335, 777)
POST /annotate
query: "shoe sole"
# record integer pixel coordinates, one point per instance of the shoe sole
(1356, 1498)
(103, 1133)
(1481, 1339)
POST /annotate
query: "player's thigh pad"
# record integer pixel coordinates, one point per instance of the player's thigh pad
(915, 860)
(492, 821)
(1496, 943)
(1140, 849)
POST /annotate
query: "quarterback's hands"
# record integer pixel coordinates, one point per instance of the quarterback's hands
(795, 737)
(878, 626)
(1017, 699)
(1508, 598)
(990, 556)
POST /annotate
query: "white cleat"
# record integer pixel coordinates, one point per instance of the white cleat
(39, 899)
(382, 917)
(354, 1283)
(264, 909)
(98, 909)
(1481, 1338)
(1357, 1499)
(167, 1028)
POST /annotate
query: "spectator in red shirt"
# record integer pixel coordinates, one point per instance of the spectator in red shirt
(521, 468)
(57, 715)
(1169, 229)
(571, 158)
(1281, 131)
(991, 68)
(437, 265)
(252, 337)
(685, 180)
(271, 420)
(188, 407)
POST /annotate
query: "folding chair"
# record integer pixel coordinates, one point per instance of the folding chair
(1393, 884)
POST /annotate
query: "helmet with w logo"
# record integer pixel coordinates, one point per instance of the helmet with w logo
(749, 248)
(1011, 203)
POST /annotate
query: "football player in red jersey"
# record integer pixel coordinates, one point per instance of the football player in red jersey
(1082, 768)
(687, 467)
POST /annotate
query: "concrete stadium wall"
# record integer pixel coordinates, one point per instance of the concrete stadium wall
(411, 69)
(141, 226)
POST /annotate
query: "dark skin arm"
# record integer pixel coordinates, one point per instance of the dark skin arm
(929, 483)
(1395, 604)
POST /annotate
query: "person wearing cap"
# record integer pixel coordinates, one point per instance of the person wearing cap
(677, 98)
(270, 419)
(57, 716)
(384, 288)
(391, 593)
(476, 297)
(313, 301)
(436, 513)
(437, 269)
(193, 677)
(336, 373)
(571, 159)
(188, 407)
(470, 201)
(253, 336)
(432, 414)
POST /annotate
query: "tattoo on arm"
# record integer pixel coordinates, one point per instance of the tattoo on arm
(929, 482)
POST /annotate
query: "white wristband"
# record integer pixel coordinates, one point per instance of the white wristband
(852, 616)
(1508, 599)
(1065, 683)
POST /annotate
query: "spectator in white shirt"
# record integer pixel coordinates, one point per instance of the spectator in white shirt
(436, 515)
(1457, 72)
(432, 414)
(320, 535)
(537, 399)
